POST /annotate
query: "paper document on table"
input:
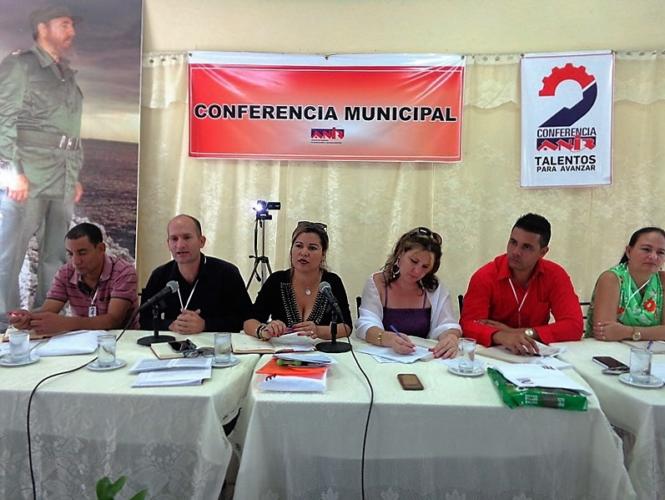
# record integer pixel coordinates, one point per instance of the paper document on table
(528, 375)
(319, 358)
(291, 342)
(503, 353)
(166, 378)
(150, 365)
(77, 342)
(164, 351)
(388, 353)
(286, 383)
(657, 346)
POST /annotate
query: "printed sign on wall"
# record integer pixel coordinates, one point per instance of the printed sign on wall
(567, 119)
(384, 107)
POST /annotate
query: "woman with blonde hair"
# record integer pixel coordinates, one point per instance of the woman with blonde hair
(406, 298)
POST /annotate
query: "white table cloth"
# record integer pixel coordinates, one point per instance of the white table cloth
(454, 440)
(638, 412)
(87, 425)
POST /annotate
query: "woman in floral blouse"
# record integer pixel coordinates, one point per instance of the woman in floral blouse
(627, 302)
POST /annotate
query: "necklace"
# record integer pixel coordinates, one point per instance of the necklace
(308, 292)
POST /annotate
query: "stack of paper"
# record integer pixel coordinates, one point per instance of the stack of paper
(657, 346)
(529, 375)
(387, 355)
(78, 342)
(292, 379)
(171, 372)
(310, 358)
(504, 354)
(292, 342)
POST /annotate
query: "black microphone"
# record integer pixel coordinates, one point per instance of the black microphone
(326, 290)
(333, 346)
(171, 287)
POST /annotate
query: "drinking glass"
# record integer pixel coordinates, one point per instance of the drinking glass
(467, 349)
(106, 345)
(222, 347)
(640, 365)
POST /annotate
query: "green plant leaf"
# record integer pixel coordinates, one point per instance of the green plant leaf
(117, 486)
(102, 488)
(140, 495)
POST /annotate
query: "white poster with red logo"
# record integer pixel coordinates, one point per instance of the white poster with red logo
(369, 107)
(567, 119)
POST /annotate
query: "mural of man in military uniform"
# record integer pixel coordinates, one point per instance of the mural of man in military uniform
(40, 151)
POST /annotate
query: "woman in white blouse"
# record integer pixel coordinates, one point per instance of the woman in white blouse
(406, 298)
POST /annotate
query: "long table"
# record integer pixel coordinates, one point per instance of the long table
(639, 413)
(87, 425)
(455, 439)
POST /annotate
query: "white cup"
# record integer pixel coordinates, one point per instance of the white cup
(19, 346)
(640, 365)
(222, 347)
(106, 344)
(467, 349)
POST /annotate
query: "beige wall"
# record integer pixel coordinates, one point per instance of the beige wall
(369, 205)
(463, 26)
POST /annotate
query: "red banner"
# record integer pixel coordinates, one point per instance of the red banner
(353, 107)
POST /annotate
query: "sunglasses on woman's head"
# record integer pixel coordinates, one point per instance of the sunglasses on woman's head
(427, 233)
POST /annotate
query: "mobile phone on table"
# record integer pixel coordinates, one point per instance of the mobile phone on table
(410, 382)
(611, 365)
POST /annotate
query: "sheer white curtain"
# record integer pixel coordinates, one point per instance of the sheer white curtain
(473, 204)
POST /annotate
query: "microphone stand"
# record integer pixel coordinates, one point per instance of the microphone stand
(333, 347)
(155, 338)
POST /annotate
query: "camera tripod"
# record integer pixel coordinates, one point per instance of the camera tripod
(261, 267)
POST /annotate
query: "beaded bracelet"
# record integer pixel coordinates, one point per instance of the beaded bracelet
(259, 329)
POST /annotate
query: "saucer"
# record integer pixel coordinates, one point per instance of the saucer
(653, 383)
(478, 370)
(232, 362)
(5, 360)
(119, 363)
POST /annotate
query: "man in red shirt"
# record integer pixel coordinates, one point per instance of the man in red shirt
(509, 300)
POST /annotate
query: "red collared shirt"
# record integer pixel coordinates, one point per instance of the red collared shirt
(550, 291)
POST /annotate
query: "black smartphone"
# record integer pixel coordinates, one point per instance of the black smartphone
(611, 365)
(410, 382)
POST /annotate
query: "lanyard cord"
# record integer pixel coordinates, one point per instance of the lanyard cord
(183, 307)
(519, 304)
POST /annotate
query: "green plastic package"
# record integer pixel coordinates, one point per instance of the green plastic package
(515, 396)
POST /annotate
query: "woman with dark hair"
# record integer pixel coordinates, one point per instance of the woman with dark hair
(289, 301)
(627, 302)
(406, 298)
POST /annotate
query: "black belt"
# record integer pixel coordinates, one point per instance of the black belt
(47, 140)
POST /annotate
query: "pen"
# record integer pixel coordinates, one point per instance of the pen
(401, 335)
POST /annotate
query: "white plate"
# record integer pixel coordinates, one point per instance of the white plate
(119, 363)
(654, 382)
(5, 360)
(478, 370)
(232, 362)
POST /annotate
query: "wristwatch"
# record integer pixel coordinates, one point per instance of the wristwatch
(637, 335)
(530, 332)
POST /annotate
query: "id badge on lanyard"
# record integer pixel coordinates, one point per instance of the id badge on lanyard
(92, 308)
